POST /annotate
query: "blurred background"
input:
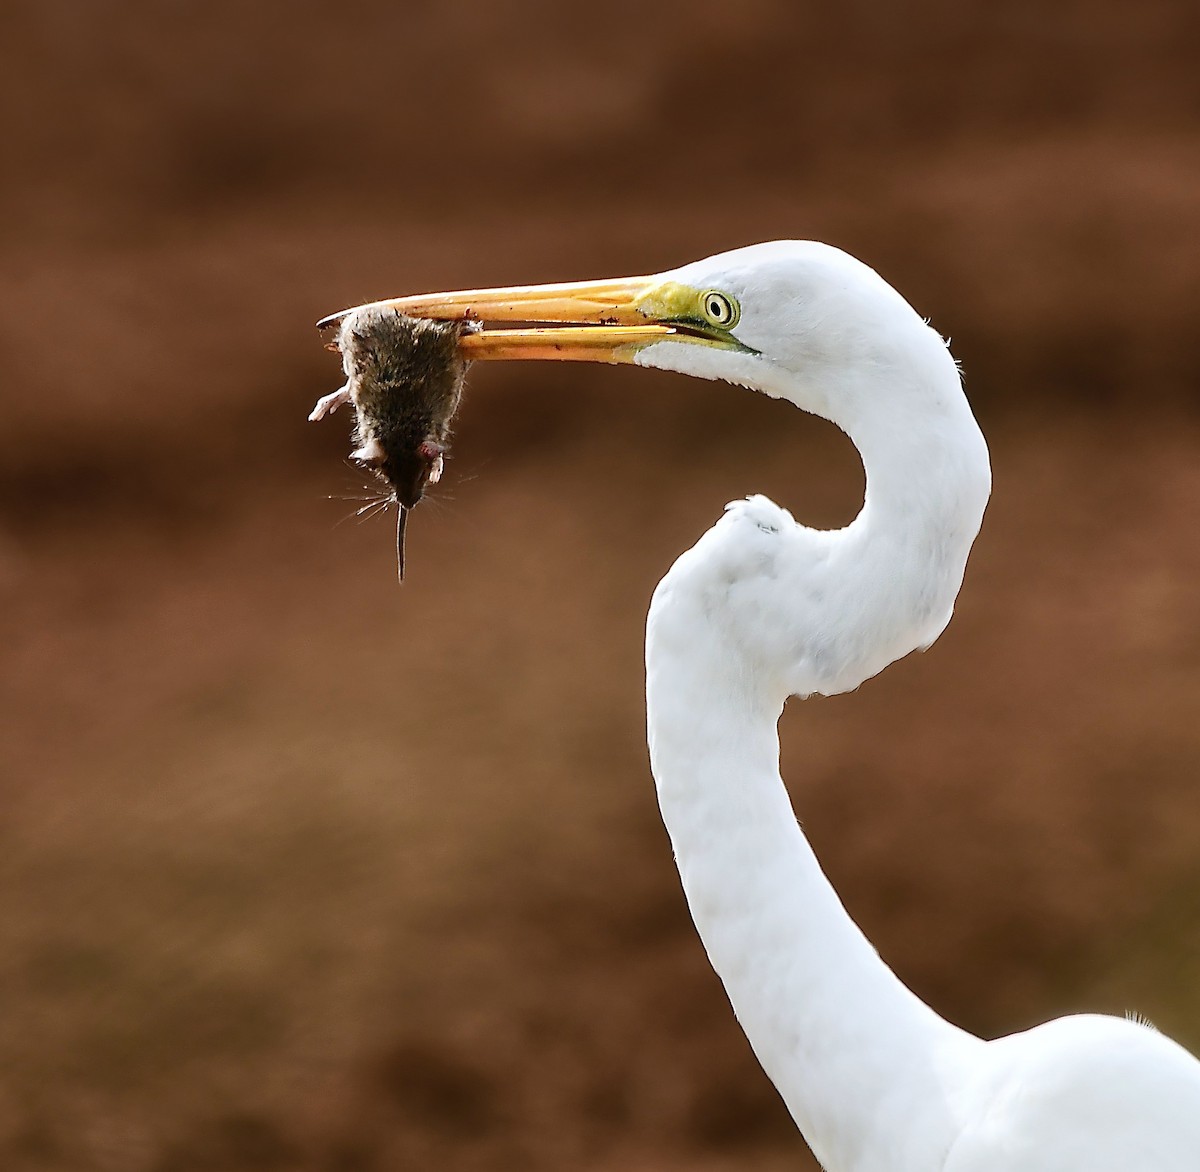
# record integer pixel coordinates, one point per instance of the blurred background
(303, 870)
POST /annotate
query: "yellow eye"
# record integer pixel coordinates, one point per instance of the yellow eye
(720, 310)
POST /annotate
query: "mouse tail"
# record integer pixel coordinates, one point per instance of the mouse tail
(401, 525)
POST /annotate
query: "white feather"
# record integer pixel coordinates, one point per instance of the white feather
(762, 608)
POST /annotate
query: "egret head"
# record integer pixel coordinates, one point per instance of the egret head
(812, 324)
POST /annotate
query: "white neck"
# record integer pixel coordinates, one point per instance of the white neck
(852, 1051)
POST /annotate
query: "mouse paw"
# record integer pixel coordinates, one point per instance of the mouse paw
(330, 403)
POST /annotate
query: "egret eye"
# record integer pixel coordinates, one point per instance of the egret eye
(720, 310)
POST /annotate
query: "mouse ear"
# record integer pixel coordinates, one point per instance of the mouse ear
(434, 454)
(369, 452)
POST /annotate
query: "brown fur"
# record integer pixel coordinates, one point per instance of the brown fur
(405, 379)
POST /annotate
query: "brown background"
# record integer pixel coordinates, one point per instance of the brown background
(303, 871)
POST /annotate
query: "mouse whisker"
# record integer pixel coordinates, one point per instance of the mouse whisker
(374, 509)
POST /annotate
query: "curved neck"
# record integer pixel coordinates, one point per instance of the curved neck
(891, 578)
(854, 1053)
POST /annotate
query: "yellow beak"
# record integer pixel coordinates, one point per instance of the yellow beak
(601, 321)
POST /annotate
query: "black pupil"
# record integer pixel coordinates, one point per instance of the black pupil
(716, 308)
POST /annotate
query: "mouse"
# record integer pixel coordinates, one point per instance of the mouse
(404, 376)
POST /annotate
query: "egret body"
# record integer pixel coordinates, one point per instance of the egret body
(763, 608)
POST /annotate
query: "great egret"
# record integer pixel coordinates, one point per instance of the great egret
(762, 608)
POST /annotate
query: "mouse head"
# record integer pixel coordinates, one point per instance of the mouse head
(408, 470)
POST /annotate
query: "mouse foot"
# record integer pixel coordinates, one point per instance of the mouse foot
(330, 403)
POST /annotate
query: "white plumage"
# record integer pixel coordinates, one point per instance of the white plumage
(762, 608)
